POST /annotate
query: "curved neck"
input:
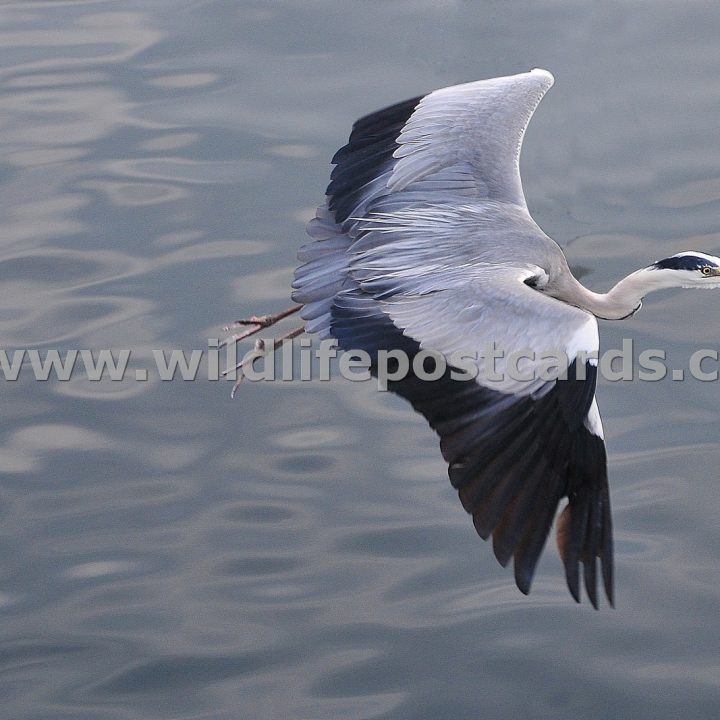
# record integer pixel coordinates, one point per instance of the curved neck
(623, 300)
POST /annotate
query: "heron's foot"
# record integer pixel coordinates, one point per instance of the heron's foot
(251, 326)
(255, 324)
(261, 349)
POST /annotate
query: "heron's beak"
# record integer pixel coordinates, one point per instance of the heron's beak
(715, 272)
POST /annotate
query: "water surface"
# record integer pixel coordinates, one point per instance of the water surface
(298, 552)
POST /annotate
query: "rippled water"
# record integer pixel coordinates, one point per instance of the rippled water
(298, 552)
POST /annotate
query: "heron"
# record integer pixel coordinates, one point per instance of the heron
(425, 241)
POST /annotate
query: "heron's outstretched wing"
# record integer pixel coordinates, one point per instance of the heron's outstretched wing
(458, 144)
(455, 146)
(424, 227)
(520, 443)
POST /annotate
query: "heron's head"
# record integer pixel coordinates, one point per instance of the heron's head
(690, 269)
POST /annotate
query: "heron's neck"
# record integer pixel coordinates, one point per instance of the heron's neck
(622, 300)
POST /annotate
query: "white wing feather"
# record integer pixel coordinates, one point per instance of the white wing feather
(493, 306)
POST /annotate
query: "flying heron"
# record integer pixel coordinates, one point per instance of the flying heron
(425, 241)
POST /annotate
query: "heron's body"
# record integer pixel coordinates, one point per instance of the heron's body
(425, 241)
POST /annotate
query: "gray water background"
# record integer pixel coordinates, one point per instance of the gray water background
(298, 552)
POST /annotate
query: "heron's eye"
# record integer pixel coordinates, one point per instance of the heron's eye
(706, 270)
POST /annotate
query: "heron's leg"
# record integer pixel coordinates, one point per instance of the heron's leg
(257, 323)
(261, 349)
